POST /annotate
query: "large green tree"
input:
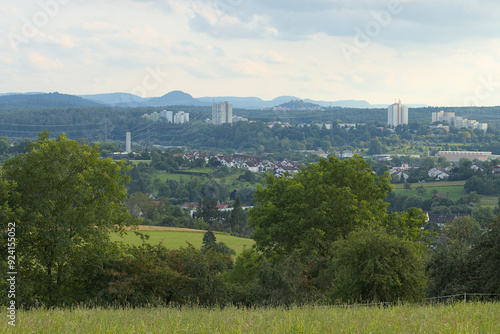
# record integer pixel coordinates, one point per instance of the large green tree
(450, 267)
(66, 200)
(371, 265)
(317, 206)
(485, 259)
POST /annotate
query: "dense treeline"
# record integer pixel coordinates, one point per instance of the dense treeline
(110, 123)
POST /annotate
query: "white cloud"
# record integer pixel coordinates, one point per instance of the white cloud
(42, 63)
(99, 26)
(274, 57)
(358, 79)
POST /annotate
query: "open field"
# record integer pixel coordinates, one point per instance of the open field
(231, 180)
(454, 318)
(136, 162)
(432, 184)
(174, 238)
(489, 201)
(454, 190)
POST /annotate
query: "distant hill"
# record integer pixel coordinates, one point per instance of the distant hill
(117, 99)
(175, 98)
(45, 100)
(29, 93)
(299, 105)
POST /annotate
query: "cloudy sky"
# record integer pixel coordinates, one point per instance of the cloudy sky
(444, 52)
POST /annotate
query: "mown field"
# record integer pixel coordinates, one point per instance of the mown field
(454, 189)
(453, 318)
(174, 238)
(489, 201)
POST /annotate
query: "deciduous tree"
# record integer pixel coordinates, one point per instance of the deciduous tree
(66, 201)
(317, 206)
(371, 265)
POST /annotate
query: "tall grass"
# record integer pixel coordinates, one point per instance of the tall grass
(175, 240)
(455, 318)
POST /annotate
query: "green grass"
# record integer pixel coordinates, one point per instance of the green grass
(136, 162)
(175, 240)
(455, 318)
(454, 189)
(164, 176)
(231, 180)
(489, 201)
(432, 184)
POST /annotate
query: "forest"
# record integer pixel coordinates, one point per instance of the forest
(106, 124)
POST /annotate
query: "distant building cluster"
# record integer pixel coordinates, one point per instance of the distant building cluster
(397, 114)
(459, 122)
(239, 119)
(455, 156)
(319, 125)
(247, 162)
(349, 126)
(168, 116)
(222, 113)
(310, 108)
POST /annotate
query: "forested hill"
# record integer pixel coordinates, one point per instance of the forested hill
(298, 105)
(45, 100)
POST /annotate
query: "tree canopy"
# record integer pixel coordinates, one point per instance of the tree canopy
(66, 200)
(318, 205)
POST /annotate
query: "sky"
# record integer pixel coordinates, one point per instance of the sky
(440, 53)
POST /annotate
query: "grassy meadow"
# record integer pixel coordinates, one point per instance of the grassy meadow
(231, 180)
(452, 318)
(454, 189)
(174, 238)
(489, 201)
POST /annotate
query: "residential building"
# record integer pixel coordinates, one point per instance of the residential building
(222, 112)
(155, 117)
(181, 117)
(438, 173)
(168, 114)
(397, 114)
(459, 122)
(441, 220)
(239, 119)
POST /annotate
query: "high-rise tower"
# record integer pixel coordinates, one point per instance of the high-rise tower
(397, 114)
(222, 112)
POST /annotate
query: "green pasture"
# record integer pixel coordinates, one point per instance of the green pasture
(136, 162)
(489, 201)
(453, 189)
(164, 176)
(231, 180)
(175, 240)
(454, 318)
(432, 184)
(453, 192)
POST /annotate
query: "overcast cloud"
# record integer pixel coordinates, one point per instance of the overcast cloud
(422, 51)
